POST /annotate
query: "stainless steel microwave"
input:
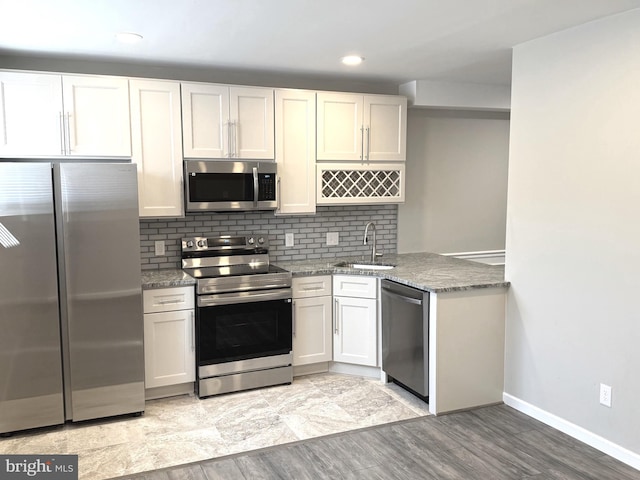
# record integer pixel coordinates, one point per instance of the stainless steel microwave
(219, 185)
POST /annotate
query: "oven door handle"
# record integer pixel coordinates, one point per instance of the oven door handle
(243, 297)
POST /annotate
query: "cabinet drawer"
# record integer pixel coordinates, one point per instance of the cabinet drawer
(167, 299)
(355, 286)
(314, 286)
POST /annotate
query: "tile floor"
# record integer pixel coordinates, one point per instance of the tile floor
(184, 429)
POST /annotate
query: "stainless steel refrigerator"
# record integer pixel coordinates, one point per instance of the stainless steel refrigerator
(71, 324)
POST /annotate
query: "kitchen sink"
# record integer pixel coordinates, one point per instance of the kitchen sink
(365, 265)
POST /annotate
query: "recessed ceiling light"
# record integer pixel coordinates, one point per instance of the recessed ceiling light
(127, 37)
(352, 60)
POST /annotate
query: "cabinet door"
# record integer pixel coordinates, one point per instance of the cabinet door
(156, 138)
(296, 151)
(169, 348)
(339, 127)
(355, 331)
(205, 117)
(385, 124)
(312, 337)
(97, 116)
(30, 114)
(252, 117)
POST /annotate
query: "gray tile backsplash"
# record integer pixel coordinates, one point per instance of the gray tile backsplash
(309, 231)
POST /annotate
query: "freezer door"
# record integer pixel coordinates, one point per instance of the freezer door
(101, 295)
(30, 359)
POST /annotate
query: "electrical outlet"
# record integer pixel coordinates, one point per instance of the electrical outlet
(332, 238)
(288, 239)
(160, 250)
(605, 395)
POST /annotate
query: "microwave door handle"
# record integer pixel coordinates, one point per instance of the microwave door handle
(255, 187)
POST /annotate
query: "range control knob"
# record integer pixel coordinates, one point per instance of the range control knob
(190, 244)
(202, 243)
(261, 240)
(251, 241)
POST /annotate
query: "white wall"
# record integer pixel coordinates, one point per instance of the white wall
(456, 182)
(573, 228)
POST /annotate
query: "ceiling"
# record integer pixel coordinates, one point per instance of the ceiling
(401, 40)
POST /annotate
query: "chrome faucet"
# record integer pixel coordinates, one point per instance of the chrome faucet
(374, 254)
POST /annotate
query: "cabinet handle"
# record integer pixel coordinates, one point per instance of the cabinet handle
(293, 314)
(234, 138)
(368, 142)
(62, 140)
(336, 309)
(193, 331)
(228, 153)
(361, 142)
(68, 117)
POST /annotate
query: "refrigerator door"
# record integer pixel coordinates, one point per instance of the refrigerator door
(101, 294)
(30, 359)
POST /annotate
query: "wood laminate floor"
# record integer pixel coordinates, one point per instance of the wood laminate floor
(491, 443)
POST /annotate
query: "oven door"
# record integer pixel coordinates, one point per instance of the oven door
(235, 327)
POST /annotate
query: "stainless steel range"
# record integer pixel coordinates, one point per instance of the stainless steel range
(243, 314)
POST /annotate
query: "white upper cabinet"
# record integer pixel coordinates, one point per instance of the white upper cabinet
(31, 114)
(53, 115)
(296, 151)
(385, 123)
(156, 138)
(97, 116)
(205, 118)
(220, 121)
(361, 127)
(252, 117)
(340, 129)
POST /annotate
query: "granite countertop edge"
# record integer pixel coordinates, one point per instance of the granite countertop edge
(425, 271)
(166, 278)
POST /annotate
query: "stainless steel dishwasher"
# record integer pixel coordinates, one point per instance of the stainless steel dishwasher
(405, 336)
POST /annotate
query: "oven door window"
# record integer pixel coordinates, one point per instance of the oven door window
(220, 187)
(228, 333)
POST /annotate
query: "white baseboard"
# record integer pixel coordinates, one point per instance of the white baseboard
(616, 451)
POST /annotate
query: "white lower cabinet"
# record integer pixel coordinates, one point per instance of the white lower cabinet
(169, 337)
(355, 320)
(312, 336)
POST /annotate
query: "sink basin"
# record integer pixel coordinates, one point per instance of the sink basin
(365, 266)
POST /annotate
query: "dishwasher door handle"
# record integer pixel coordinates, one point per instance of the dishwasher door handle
(415, 301)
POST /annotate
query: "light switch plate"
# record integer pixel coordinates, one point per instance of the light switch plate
(288, 240)
(160, 250)
(332, 238)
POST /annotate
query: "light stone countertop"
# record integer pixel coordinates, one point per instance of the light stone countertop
(426, 271)
(166, 278)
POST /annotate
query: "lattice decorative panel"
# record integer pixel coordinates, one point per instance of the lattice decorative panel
(360, 184)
